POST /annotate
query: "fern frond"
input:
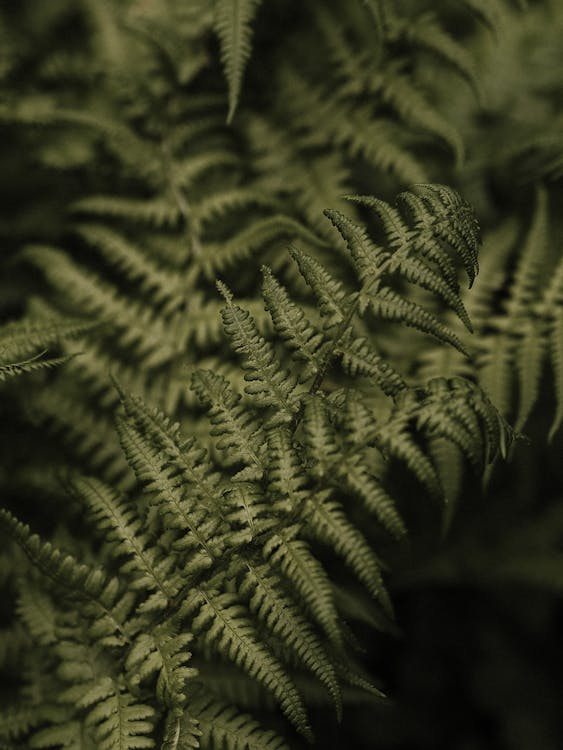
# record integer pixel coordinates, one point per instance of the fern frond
(18, 721)
(197, 529)
(286, 480)
(329, 524)
(180, 732)
(103, 602)
(314, 181)
(268, 386)
(529, 360)
(427, 35)
(35, 609)
(70, 735)
(224, 624)
(303, 570)
(139, 327)
(182, 456)
(163, 652)
(30, 365)
(240, 436)
(416, 112)
(123, 528)
(223, 726)
(86, 433)
(156, 212)
(284, 619)
(159, 284)
(358, 357)
(556, 346)
(329, 121)
(333, 300)
(24, 344)
(60, 567)
(291, 324)
(258, 234)
(233, 23)
(528, 273)
(120, 723)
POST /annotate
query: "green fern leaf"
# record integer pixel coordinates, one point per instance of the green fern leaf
(359, 358)
(390, 306)
(260, 233)
(233, 23)
(557, 361)
(162, 652)
(528, 273)
(223, 726)
(334, 303)
(290, 323)
(181, 732)
(197, 528)
(240, 437)
(267, 385)
(308, 577)
(121, 724)
(430, 37)
(284, 619)
(70, 735)
(329, 524)
(529, 360)
(185, 457)
(121, 527)
(225, 625)
(35, 609)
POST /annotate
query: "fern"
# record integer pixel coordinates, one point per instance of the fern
(234, 23)
(236, 562)
(223, 497)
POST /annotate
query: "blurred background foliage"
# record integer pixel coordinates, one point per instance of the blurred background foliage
(125, 193)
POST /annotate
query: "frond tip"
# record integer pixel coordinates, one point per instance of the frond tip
(233, 23)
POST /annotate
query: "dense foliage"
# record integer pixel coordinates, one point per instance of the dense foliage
(273, 472)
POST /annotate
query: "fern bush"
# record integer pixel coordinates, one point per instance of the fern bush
(257, 435)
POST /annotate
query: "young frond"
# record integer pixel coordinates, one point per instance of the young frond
(183, 456)
(333, 301)
(196, 527)
(291, 323)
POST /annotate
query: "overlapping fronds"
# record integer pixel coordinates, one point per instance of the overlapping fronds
(265, 382)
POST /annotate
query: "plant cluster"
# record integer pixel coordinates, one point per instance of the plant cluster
(254, 427)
